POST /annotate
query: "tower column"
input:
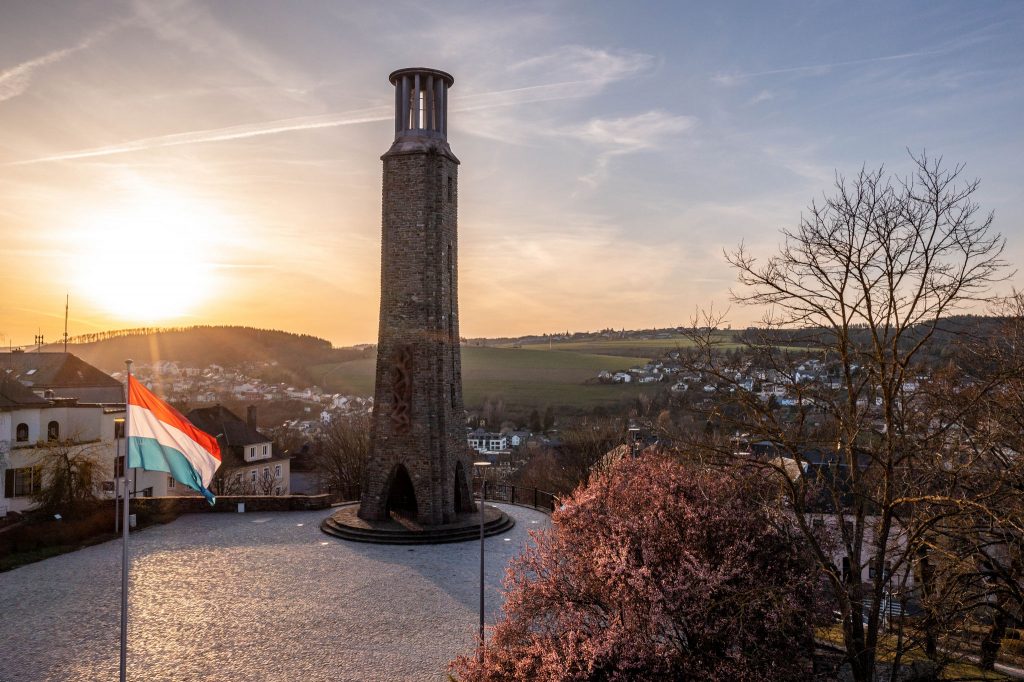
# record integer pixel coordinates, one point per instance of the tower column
(419, 462)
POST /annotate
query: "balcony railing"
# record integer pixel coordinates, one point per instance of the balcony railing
(496, 492)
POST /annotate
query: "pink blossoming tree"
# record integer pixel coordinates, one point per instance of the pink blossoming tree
(655, 570)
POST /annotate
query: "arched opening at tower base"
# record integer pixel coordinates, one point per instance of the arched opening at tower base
(401, 494)
(463, 496)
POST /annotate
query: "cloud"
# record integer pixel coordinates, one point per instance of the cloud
(193, 27)
(732, 79)
(555, 271)
(618, 136)
(15, 80)
(585, 64)
(566, 73)
(484, 100)
(632, 133)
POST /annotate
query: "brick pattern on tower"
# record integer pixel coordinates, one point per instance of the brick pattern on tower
(419, 462)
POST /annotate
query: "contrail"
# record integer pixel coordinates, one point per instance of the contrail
(16, 79)
(221, 134)
(729, 78)
(487, 100)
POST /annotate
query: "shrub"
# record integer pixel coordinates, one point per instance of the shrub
(655, 570)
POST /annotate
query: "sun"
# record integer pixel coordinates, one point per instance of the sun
(148, 258)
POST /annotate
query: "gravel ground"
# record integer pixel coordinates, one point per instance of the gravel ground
(259, 596)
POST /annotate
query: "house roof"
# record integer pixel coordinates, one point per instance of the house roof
(14, 395)
(232, 432)
(66, 374)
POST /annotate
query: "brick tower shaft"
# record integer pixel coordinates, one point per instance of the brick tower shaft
(419, 463)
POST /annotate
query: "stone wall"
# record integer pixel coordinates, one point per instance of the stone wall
(229, 503)
(418, 410)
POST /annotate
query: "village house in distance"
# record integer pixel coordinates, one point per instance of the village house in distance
(54, 401)
(249, 465)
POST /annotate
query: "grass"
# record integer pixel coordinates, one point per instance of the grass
(954, 670)
(14, 560)
(31, 541)
(646, 348)
(522, 377)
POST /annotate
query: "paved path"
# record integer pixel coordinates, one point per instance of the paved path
(260, 596)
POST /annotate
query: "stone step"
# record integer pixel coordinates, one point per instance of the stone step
(501, 521)
(430, 536)
(468, 533)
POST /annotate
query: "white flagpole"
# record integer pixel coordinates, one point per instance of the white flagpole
(124, 529)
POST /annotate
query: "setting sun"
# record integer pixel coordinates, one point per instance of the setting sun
(147, 258)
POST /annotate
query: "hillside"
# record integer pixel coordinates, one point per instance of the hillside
(520, 377)
(203, 346)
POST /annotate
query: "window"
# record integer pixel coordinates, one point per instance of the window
(22, 482)
(266, 473)
(277, 471)
(252, 475)
(818, 523)
(118, 428)
(119, 467)
(171, 482)
(277, 490)
(53, 431)
(21, 434)
(265, 449)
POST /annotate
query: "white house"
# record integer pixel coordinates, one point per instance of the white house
(487, 443)
(30, 427)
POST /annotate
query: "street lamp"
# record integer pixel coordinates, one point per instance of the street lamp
(634, 441)
(482, 468)
(118, 426)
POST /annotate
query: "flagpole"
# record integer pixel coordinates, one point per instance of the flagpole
(124, 530)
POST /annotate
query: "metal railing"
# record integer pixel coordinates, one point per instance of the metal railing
(518, 494)
(497, 492)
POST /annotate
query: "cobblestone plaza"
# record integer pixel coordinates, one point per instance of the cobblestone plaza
(260, 596)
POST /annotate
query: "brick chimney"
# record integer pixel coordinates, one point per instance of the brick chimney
(250, 415)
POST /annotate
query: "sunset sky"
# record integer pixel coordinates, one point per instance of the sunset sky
(178, 163)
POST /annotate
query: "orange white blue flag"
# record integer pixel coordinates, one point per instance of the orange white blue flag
(161, 439)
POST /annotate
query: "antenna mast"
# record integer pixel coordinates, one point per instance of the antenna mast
(67, 301)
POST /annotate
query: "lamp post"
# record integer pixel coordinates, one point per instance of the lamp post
(634, 441)
(482, 468)
(118, 425)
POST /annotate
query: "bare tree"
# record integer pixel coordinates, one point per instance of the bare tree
(583, 443)
(340, 456)
(860, 286)
(983, 549)
(68, 471)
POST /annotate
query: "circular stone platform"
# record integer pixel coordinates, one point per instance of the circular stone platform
(398, 530)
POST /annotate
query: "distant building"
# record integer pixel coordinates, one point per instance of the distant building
(518, 438)
(62, 375)
(485, 442)
(249, 465)
(30, 426)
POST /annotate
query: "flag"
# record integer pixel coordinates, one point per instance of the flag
(161, 439)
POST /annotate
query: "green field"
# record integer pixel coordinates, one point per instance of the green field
(645, 348)
(523, 378)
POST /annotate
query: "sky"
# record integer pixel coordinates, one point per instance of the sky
(188, 162)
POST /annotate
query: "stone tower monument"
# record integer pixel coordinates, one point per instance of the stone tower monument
(419, 463)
